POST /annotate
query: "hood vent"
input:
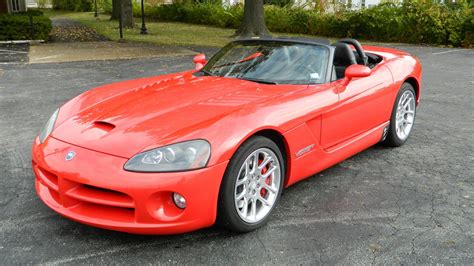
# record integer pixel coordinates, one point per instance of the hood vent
(105, 126)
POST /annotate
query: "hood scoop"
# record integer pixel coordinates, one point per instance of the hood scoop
(103, 125)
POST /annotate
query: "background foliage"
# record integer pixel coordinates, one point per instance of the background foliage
(281, 3)
(73, 5)
(422, 22)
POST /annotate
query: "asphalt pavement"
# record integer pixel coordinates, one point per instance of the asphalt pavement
(413, 204)
(13, 53)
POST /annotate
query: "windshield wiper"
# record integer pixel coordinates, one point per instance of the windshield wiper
(261, 81)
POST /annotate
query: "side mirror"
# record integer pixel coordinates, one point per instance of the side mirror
(355, 71)
(199, 60)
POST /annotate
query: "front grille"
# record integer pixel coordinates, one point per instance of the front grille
(84, 197)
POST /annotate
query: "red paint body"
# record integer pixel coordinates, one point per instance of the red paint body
(321, 125)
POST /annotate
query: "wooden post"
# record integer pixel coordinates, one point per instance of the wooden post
(120, 23)
(32, 29)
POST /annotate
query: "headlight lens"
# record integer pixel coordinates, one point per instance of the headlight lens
(48, 128)
(181, 156)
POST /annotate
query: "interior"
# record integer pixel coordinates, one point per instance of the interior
(349, 52)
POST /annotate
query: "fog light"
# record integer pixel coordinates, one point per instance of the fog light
(179, 201)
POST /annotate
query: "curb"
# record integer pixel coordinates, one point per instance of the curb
(22, 42)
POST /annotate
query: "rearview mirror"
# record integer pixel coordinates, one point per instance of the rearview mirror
(355, 71)
(199, 60)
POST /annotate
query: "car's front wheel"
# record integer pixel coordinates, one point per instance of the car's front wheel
(403, 116)
(251, 185)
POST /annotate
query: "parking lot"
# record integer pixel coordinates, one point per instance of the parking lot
(13, 53)
(413, 204)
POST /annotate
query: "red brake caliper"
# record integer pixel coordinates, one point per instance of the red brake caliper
(263, 192)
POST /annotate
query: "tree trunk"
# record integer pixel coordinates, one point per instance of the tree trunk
(127, 13)
(115, 9)
(253, 23)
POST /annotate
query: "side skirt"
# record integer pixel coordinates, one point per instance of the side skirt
(319, 159)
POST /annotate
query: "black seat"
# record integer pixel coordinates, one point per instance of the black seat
(343, 57)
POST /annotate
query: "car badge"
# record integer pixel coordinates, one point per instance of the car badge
(70, 155)
(304, 150)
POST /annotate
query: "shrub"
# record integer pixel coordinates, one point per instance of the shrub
(73, 5)
(423, 23)
(204, 13)
(30, 12)
(380, 23)
(280, 3)
(467, 32)
(105, 6)
(17, 27)
(174, 12)
(201, 13)
(278, 19)
(43, 3)
(460, 27)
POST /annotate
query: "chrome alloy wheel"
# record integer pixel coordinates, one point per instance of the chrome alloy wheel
(257, 185)
(405, 116)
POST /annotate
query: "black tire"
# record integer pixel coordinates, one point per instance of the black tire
(392, 140)
(227, 215)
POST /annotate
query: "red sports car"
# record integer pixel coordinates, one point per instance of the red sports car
(175, 153)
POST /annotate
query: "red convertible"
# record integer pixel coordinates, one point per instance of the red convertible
(218, 144)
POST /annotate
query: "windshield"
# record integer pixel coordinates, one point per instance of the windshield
(270, 62)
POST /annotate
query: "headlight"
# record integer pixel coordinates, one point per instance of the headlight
(48, 128)
(189, 155)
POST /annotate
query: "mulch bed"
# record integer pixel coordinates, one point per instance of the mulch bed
(65, 30)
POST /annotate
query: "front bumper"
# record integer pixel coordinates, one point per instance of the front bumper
(94, 189)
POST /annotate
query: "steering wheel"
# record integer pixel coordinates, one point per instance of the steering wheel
(359, 50)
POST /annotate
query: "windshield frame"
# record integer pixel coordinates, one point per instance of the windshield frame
(326, 76)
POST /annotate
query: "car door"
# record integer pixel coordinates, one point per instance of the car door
(363, 105)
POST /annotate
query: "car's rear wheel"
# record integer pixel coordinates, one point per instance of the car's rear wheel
(251, 186)
(403, 116)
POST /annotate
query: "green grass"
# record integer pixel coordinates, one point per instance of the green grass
(162, 33)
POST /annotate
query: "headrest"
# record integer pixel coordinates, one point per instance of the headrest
(343, 55)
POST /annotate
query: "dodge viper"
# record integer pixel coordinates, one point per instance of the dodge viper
(218, 144)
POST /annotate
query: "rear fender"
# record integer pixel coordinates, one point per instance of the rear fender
(403, 69)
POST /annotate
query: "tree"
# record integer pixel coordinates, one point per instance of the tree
(253, 23)
(127, 12)
(115, 9)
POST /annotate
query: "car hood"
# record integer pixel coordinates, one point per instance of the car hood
(140, 118)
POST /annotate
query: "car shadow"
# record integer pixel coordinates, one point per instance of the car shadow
(322, 195)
